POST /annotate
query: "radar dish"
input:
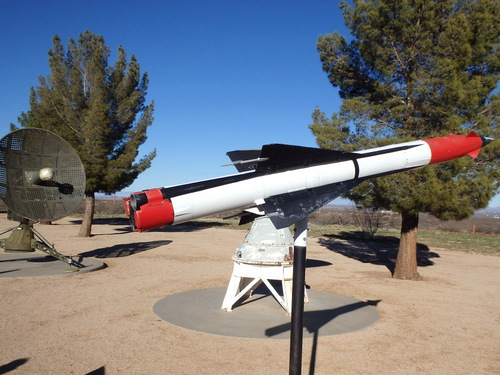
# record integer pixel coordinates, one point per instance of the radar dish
(41, 176)
(41, 179)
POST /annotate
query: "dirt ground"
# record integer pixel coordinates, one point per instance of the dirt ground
(103, 323)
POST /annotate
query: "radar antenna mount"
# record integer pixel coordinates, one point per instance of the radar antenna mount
(42, 179)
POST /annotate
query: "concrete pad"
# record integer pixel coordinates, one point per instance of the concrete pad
(39, 264)
(261, 316)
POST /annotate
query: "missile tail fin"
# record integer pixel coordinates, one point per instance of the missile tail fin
(474, 153)
(484, 142)
(472, 134)
(280, 157)
(244, 160)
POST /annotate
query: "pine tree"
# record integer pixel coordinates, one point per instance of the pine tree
(411, 70)
(99, 109)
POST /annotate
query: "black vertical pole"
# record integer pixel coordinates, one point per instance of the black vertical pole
(299, 272)
(297, 326)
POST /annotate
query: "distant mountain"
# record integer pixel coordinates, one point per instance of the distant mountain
(490, 212)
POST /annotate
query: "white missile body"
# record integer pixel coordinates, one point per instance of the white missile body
(290, 182)
(252, 192)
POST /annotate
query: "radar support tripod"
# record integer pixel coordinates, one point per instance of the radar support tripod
(22, 239)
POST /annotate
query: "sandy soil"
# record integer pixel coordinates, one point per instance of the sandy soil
(103, 323)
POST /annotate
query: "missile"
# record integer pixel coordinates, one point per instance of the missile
(287, 182)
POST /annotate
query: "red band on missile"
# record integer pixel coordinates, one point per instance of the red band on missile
(454, 146)
(156, 213)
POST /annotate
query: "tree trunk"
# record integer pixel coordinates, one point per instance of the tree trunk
(406, 262)
(88, 216)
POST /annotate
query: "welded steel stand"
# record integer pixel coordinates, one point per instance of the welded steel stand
(299, 274)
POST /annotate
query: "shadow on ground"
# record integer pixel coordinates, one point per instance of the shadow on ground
(381, 250)
(190, 226)
(11, 366)
(124, 250)
(105, 221)
(313, 263)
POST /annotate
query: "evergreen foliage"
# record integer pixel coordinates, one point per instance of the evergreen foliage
(99, 109)
(412, 70)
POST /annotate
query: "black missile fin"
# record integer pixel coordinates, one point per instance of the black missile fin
(279, 157)
(286, 209)
(244, 160)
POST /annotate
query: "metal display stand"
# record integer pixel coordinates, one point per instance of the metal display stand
(265, 254)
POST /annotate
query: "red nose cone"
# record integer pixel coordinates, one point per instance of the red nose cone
(454, 146)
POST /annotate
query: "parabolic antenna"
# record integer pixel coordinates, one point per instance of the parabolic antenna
(41, 179)
(41, 176)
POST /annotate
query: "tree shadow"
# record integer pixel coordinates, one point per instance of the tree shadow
(124, 250)
(104, 221)
(190, 226)
(380, 250)
(123, 223)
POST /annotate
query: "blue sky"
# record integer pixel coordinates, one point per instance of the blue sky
(224, 74)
